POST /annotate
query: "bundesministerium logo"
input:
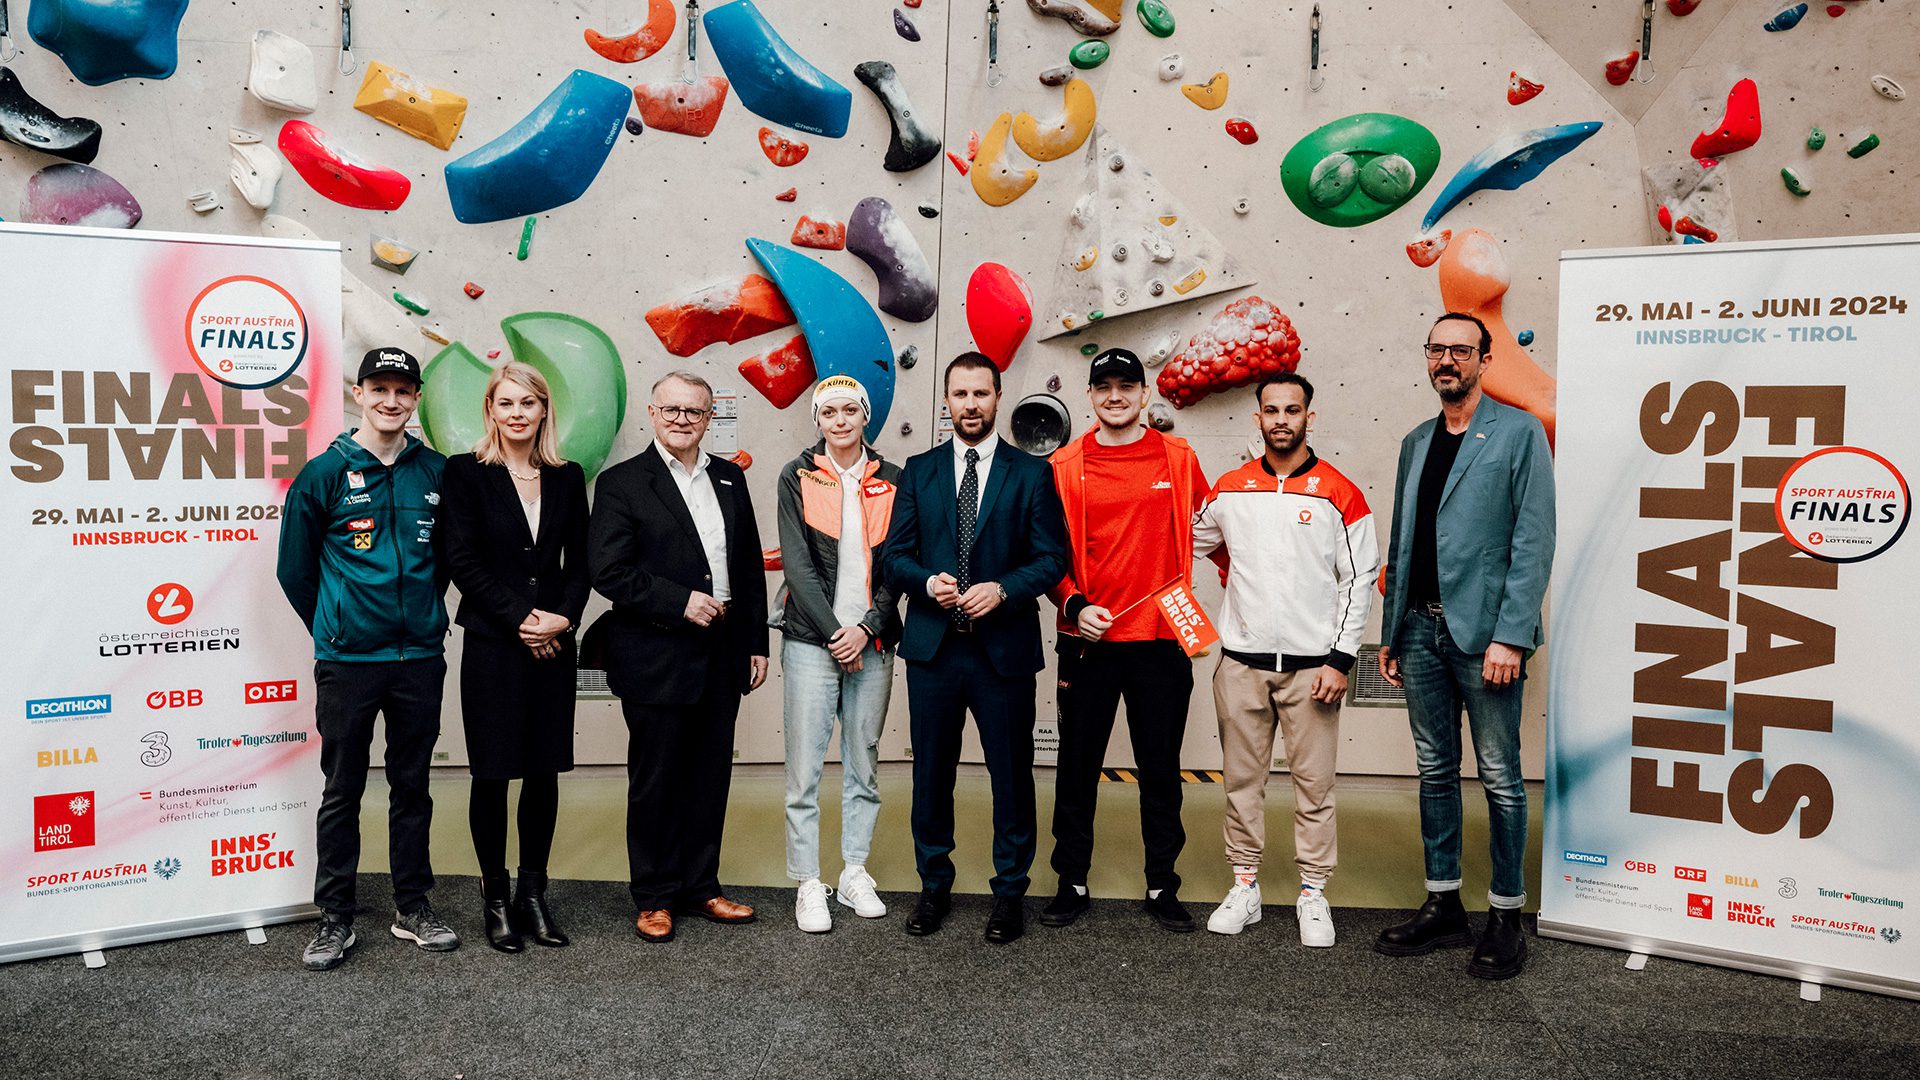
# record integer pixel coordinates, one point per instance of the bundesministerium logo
(246, 332)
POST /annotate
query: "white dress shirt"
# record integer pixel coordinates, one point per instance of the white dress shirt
(532, 510)
(850, 600)
(986, 447)
(696, 488)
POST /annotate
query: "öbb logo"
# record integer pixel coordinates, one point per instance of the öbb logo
(175, 699)
(247, 854)
(258, 693)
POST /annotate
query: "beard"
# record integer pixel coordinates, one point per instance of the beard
(1284, 442)
(1463, 385)
(973, 428)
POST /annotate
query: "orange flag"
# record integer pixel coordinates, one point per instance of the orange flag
(1184, 615)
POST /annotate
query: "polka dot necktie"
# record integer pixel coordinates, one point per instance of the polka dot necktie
(968, 508)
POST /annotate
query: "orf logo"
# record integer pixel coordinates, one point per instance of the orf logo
(281, 690)
(1690, 873)
(64, 821)
(169, 603)
(1699, 907)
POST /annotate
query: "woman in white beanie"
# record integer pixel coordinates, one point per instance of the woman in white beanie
(839, 623)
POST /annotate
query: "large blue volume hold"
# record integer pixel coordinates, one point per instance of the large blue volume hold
(1508, 163)
(770, 78)
(548, 159)
(103, 41)
(843, 332)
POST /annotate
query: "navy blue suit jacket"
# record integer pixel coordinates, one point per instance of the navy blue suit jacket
(1020, 541)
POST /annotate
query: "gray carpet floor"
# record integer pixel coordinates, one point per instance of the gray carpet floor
(1111, 996)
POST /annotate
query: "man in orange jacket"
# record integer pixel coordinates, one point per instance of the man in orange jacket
(1130, 494)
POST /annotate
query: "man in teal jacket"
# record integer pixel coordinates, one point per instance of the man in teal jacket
(1471, 549)
(358, 561)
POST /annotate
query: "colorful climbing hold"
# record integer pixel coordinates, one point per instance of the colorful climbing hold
(843, 331)
(1426, 250)
(1155, 16)
(1053, 383)
(1816, 138)
(731, 312)
(683, 108)
(427, 113)
(788, 195)
(1056, 76)
(996, 182)
(1738, 129)
(548, 158)
(781, 150)
(341, 176)
(1794, 184)
(102, 41)
(1836, 10)
(1241, 129)
(390, 254)
(474, 292)
(417, 306)
(1186, 284)
(825, 234)
(1665, 216)
(1619, 71)
(526, 238)
(1887, 88)
(1682, 8)
(26, 122)
(781, 374)
(1097, 18)
(1359, 168)
(1524, 337)
(1863, 147)
(1249, 340)
(877, 237)
(1521, 90)
(1507, 164)
(1785, 20)
(1687, 227)
(1160, 416)
(635, 127)
(904, 26)
(999, 310)
(912, 143)
(1089, 54)
(643, 41)
(1474, 279)
(1087, 258)
(770, 78)
(960, 164)
(69, 193)
(1063, 135)
(1208, 95)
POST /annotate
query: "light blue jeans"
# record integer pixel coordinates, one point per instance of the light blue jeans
(816, 691)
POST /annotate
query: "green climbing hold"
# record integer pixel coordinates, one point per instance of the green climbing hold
(1155, 17)
(526, 237)
(1089, 54)
(1089, 348)
(453, 404)
(408, 302)
(1794, 183)
(1816, 138)
(1096, 316)
(1359, 168)
(1863, 147)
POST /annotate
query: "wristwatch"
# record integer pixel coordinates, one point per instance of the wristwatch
(1003, 591)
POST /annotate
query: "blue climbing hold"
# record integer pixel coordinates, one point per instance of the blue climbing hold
(1508, 164)
(843, 332)
(1524, 337)
(770, 78)
(1786, 20)
(548, 159)
(103, 41)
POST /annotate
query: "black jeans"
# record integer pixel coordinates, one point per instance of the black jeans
(679, 767)
(347, 697)
(1156, 679)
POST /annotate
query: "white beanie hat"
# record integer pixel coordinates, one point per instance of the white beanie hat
(841, 388)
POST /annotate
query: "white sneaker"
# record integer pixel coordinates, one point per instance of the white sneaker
(1238, 911)
(810, 909)
(1316, 919)
(857, 892)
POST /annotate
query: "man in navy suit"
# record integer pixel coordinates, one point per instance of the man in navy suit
(978, 536)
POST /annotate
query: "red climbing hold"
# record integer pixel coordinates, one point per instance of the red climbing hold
(1426, 251)
(1242, 129)
(731, 312)
(473, 291)
(1248, 341)
(1836, 10)
(825, 234)
(782, 374)
(911, 3)
(682, 108)
(1666, 219)
(999, 312)
(1618, 71)
(1521, 90)
(957, 162)
(1686, 227)
(1739, 129)
(1682, 7)
(781, 150)
(973, 145)
(788, 195)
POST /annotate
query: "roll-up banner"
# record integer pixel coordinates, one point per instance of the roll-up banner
(1733, 751)
(159, 770)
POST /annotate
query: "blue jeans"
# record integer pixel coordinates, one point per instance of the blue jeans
(816, 691)
(1440, 679)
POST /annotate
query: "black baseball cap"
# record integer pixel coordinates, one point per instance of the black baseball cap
(1116, 363)
(388, 362)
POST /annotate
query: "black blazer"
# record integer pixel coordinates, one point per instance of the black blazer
(647, 559)
(502, 572)
(1020, 541)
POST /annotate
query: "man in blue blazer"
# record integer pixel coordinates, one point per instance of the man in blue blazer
(1472, 546)
(977, 537)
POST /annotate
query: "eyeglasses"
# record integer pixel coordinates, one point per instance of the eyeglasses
(1436, 350)
(681, 414)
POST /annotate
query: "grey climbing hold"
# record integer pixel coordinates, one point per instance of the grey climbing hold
(908, 357)
(1056, 76)
(913, 143)
(877, 236)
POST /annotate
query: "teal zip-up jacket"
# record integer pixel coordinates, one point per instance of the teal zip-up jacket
(359, 554)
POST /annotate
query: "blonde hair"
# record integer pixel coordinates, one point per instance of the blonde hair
(546, 443)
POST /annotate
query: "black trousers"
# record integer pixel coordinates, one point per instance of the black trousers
(347, 697)
(679, 766)
(1156, 680)
(939, 694)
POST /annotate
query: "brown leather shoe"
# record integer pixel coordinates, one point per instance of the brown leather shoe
(654, 925)
(722, 910)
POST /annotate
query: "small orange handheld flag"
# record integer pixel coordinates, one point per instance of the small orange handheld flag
(1184, 615)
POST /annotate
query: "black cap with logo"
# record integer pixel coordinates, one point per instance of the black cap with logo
(1116, 363)
(388, 362)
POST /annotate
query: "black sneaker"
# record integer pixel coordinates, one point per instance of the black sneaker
(425, 929)
(1169, 912)
(328, 949)
(1067, 905)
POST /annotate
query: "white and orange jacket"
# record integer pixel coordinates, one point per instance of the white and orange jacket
(809, 520)
(1301, 564)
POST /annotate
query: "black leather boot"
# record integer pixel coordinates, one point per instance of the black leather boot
(532, 917)
(1502, 951)
(1440, 922)
(500, 932)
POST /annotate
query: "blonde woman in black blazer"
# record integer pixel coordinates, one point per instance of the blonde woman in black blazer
(516, 547)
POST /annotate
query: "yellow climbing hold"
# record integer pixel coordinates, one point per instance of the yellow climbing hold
(1062, 135)
(1191, 282)
(996, 182)
(1210, 96)
(1169, 219)
(394, 97)
(1087, 258)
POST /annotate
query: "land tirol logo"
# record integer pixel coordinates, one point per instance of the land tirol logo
(63, 822)
(246, 332)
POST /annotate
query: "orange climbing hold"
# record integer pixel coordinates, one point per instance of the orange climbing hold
(782, 374)
(1738, 129)
(1474, 278)
(1687, 227)
(1250, 340)
(1619, 71)
(649, 38)
(1425, 252)
(1521, 90)
(825, 234)
(788, 195)
(781, 150)
(732, 312)
(680, 107)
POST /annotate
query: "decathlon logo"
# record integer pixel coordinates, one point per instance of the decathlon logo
(1584, 857)
(50, 710)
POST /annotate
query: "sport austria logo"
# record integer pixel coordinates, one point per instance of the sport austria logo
(1889, 934)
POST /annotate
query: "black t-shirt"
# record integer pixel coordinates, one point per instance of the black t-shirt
(1423, 577)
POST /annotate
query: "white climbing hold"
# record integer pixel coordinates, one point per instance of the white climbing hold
(1887, 88)
(283, 73)
(204, 201)
(254, 169)
(1172, 66)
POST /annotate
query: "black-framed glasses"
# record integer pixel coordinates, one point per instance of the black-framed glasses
(1435, 351)
(682, 414)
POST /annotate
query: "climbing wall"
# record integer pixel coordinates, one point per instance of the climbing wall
(1177, 159)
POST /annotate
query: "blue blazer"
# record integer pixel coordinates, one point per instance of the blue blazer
(1494, 533)
(1020, 541)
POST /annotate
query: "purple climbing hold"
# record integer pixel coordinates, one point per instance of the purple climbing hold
(634, 126)
(905, 26)
(881, 240)
(26, 122)
(73, 194)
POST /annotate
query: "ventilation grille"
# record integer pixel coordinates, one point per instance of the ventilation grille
(1366, 688)
(590, 683)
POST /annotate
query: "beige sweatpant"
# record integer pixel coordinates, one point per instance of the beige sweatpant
(1249, 701)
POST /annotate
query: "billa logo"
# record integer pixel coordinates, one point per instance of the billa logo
(1751, 914)
(1690, 873)
(1742, 882)
(1699, 907)
(169, 603)
(247, 854)
(63, 822)
(79, 755)
(257, 693)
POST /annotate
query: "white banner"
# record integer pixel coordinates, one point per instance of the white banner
(159, 765)
(1733, 766)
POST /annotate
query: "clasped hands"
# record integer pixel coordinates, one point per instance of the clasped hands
(975, 603)
(541, 630)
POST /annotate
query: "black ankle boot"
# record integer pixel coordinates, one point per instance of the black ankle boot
(1441, 921)
(500, 931)
(1502, 951)
(531, 914)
